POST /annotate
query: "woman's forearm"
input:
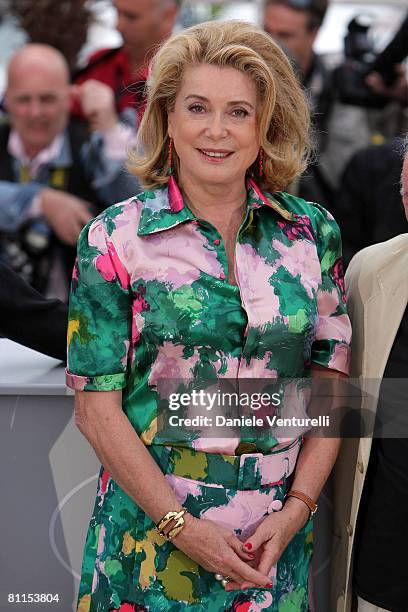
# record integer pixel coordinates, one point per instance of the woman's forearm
(314, 465)
(100, 418)
(317, 455)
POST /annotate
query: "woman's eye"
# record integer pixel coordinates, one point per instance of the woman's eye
(240, 112)
(196, 108)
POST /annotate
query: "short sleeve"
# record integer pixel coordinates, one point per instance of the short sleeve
(331, 348)
(99, 321)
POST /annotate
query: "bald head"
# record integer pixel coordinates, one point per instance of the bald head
(34, 57)
(37, 95)
(144, 24)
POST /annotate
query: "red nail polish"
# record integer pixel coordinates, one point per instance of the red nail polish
(248, 545)
(269, 585)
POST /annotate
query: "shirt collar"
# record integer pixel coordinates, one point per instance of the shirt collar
(164, 208)
(47, 155)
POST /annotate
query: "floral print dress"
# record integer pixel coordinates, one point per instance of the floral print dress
(150, 300)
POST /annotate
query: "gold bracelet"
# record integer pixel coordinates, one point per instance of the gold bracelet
(176, 517)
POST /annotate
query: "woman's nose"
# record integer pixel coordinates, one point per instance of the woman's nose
(216, 127)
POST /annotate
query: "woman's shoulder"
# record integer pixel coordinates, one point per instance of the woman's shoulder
(298, 206)
(311, 221)
(311, 215)
(125, 207)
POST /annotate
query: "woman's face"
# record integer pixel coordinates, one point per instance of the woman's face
(214, 125)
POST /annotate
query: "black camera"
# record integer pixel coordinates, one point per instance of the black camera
(361, 60)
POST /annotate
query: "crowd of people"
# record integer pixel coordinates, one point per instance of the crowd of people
(173, 284)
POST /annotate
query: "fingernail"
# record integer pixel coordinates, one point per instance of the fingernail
(269, 585)
(248, 545)
(251, 555)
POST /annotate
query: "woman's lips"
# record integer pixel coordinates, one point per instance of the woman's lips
(214, 155)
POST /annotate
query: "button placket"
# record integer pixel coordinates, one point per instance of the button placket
(241, 268)
(213, 243)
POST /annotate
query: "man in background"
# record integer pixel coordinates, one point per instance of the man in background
(296, 24)
(143, 25)
(54, 176)
(340, 129)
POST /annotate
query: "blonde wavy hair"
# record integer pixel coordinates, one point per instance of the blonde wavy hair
(283, 116)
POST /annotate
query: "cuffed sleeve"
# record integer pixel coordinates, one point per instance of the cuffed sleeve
(331, 348)
(99, 314)
(106, 171)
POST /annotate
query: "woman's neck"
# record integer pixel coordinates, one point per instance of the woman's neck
(213, 201)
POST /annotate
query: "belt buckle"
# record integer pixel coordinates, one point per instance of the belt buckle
(249, 469)
(245, 448)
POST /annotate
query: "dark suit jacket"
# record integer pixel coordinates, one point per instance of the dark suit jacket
(368, 206)
(29, 318)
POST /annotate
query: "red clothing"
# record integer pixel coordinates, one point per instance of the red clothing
(111, 66)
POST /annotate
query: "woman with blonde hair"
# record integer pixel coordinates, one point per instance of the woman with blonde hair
(212, 272)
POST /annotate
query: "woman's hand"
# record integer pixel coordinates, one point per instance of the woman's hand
(272, 537)
(218, 550)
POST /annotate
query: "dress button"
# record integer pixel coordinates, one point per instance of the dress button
(222, 276)
(216, 241)
(275, 506)
(360, 466)
(349, 529)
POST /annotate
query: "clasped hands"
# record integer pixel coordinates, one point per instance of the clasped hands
(248, 564)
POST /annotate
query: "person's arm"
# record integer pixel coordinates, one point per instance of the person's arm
(397, 91)
(65, 213)
(98, 104)
(108, 148)
(395, 52)
(16, 203)
(29, 318)
(104, 157)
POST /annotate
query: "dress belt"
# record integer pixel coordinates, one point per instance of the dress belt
(247, 471)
